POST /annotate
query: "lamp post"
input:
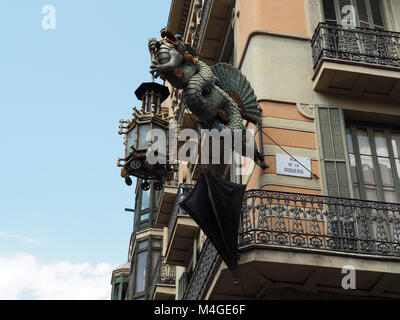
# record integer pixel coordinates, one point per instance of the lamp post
(139, 137)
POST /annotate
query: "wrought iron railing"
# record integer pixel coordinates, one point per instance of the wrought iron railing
(207, 261)
(320, 222)
(359, 45)
(163, 274)
(309, 222)
(183, 191)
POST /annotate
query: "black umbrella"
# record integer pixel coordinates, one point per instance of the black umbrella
(215, 205)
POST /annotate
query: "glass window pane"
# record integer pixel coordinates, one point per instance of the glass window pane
(141, 272)
(143, 142)
(342, 4)
(329, 11)
(144, 216)
(148, 103)
(396, 144)
(142, 244)
(156, 103)
(124, 289)
(154, 259)
(353, 168)
(368, 170)
(371, 193)
(398, 168)
(116, 291)
(117, 279)
(386, 171)
(380, 143)
(377, 16)
(389, 194)
(363, 141)
(362, 13)
(131, 140)
(349, 141)
(145, 199)
(156, 243)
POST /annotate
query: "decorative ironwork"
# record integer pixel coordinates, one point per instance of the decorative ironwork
(359, 45)
(320, 222)
(164, 274)
(207, 261)
(308, 222)
(139, 135)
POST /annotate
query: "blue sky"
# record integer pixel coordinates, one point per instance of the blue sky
(62, 93)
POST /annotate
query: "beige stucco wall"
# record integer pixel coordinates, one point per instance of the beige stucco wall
(280, 69)
(286, 16)
(278, 63)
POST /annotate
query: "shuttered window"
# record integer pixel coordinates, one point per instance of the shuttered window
(368, 12)
(333, 151)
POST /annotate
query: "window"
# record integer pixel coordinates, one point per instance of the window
(142, 245)
(120, 286)
(141, 272)
(144, 216)
(374, 155)
(156, 243)
(145, 199)
(154, 258)
(124, 290)
(116, 291)
(368, 12)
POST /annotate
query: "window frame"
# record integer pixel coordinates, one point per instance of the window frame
(387, 132)
(141, 251)
(149, 249)
(122, 281)
(338, 13)
(144, 217)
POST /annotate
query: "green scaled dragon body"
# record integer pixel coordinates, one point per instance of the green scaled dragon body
(220, 96)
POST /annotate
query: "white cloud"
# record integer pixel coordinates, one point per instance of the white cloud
(22, 276)
(17, 236)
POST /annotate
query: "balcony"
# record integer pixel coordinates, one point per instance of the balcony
(166, 203)
(182, 231)
(295, 245)
(360, 62)
(163, 282)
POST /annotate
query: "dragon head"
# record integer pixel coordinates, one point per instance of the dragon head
(167, 54)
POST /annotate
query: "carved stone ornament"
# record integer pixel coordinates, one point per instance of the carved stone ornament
(306, 110)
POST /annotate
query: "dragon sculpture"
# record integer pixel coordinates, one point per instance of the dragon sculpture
(220, 96)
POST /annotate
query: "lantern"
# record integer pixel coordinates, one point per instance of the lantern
(139, 136)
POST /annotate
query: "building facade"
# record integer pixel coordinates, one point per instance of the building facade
(329, 95)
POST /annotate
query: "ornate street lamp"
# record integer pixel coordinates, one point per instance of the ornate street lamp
(139, 137)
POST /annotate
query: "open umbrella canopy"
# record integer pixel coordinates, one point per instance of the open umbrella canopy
(215, 205)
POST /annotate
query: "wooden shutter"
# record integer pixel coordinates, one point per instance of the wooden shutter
(333, 151)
